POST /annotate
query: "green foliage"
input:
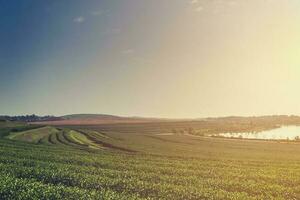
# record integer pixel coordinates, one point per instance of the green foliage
(171, 166)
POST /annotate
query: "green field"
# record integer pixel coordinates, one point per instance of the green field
(142, 161)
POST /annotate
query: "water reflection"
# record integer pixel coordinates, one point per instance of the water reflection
(282, 133)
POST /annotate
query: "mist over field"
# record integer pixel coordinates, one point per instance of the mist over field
(139, 99)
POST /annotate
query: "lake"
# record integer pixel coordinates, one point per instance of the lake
(282, 133)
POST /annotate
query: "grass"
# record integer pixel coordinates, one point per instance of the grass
(33, 135)
(134, 164)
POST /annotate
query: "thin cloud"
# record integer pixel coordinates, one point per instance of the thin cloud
(112, 31)
(79, 19)
(199, 9)
(194, 1)
(128, 51)
(96, 13)
(232, 3)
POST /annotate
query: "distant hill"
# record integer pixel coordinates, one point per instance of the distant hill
(89, 116)
(94, 119)
(91, 119)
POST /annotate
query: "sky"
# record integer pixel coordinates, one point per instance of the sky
(158, 58)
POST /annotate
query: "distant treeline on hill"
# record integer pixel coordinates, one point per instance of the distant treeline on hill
(29, 118)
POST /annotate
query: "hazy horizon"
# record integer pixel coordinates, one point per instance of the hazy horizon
(166, 59)
(154, 117)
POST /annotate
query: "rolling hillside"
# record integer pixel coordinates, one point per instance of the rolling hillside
(141, 161)
(90, 119)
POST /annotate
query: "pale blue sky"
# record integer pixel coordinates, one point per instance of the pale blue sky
(164, 58)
